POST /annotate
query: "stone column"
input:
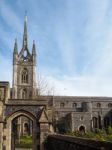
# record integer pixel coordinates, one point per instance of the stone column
(44, 131)
(34, 135)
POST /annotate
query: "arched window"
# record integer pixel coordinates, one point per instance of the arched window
(74, 105)
(95, 122)
(110, 105)
(24, 94)
(98, 105)
(99, 122)
(24, 76)
(62, 105)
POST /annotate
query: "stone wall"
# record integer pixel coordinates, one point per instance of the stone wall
(61, 142)
(83, 111)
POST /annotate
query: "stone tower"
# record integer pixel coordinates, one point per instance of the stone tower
(24, 69)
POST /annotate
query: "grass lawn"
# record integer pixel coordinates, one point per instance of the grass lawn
(25, 142)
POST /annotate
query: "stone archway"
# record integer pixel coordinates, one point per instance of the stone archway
(8, 131)
(82, 129)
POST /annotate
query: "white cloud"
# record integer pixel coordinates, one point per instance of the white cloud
(82, 35)
(81, 86)
(98, 35)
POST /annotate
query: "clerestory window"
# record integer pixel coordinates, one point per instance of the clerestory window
(98, 105)
(74, 105)
(62, 105)
(110, 105)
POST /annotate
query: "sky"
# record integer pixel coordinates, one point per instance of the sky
(73, 43)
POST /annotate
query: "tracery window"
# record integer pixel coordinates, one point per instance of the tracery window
(24, 76)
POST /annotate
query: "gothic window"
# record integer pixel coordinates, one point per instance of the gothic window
(24, 76)
(98, 105)
(99, 122)
(74, 105)
(62, 105)
(110, 105)
(24, 94)
(95, 122)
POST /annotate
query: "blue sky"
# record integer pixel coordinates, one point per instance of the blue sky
(73, 41)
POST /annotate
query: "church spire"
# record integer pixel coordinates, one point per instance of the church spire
(33, 48)
(15, 47)
(25, 36)
(34, 53)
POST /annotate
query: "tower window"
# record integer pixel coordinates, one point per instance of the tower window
(24, 76)
(24, 94)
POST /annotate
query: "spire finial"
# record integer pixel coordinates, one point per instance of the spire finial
(25, 42)
(15, 47)
(34, 48)
(25, 15)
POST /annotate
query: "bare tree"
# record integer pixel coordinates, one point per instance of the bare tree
(44, 88)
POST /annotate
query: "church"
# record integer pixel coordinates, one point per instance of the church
(23, 111)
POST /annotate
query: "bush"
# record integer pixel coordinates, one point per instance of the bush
(109, 130)
(100, 134)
